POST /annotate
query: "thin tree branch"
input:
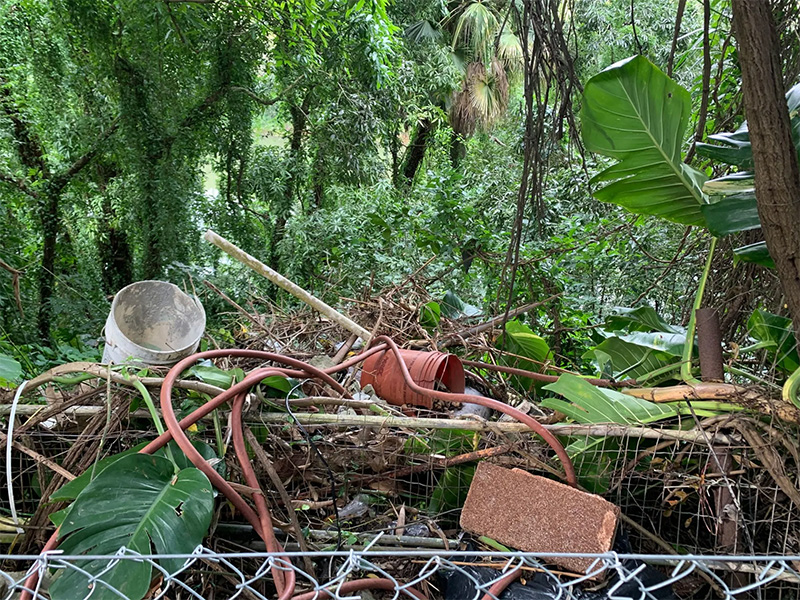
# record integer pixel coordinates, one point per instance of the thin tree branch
(635, 35)
(59, 181)
(675, 35)
(701, 119)
(267, 101)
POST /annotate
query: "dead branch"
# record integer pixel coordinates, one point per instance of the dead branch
(723, 392)
(457, 337)
(20, 184)
(53, 466)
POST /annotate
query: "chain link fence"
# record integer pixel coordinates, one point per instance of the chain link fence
(454, 575)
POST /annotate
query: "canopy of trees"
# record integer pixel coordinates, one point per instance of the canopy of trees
(351, 143)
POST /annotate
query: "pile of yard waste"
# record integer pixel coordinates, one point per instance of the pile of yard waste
(438, 428)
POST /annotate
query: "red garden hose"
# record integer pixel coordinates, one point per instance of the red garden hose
(260, 518)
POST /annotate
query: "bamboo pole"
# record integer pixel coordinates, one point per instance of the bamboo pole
(286, 284)
(335, 420)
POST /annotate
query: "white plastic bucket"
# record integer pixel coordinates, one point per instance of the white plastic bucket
(153, 322)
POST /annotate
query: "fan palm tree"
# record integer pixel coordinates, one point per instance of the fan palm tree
(488, 52)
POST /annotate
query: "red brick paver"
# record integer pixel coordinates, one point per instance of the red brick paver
(536, 514)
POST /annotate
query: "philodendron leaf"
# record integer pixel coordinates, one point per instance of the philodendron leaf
(208, 373)
(140, 503)
(183, 462)
(634, 113)
(71, 489)
(590, 404)
(735, 148)
(594, 456)
(731, 215)
(619, 358)
(670, 343)
(454, 307)
(430, 314)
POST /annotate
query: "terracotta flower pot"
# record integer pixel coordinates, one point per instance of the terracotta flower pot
(426, 369)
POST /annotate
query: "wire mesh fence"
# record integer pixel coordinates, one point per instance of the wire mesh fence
(714, 498)
(456, 575)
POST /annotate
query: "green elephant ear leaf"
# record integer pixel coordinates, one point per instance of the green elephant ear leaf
(138, 502)
(634, 113)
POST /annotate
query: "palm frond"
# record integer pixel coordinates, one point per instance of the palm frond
(422, 32)
(482, 100)
(477, 24)
(509, 50)
(490, 94)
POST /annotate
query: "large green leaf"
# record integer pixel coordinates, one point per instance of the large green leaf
(643, 318)
(520, 340)
(594, 459)
(590, 404)
(71, 489)
(734, 148)
(595, 456)
(430, 314)
(10, 370)
(754, 253)
(451, 490)
(731, 215)
(777, 332)
(634, 113)
(669, 343)
(140, 503)
(454, 307)
(618, 358)
(736, 211)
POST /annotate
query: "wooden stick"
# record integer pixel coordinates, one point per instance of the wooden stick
(266, 463)
(442, 463)
(238, 308)
(39, 458)
(320, 419)
(700, 391)
(604, 430)
(295, 290)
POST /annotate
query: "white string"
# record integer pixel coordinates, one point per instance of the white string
(9, 439)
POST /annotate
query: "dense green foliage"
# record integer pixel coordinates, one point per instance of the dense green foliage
(345, 143)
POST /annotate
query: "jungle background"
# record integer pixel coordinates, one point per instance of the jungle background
(350, 144)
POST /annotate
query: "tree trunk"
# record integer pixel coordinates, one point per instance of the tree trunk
(458, 150)
(299, 116)
(50, 225)
(416, 150)
(777, 177)
(394, 149)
